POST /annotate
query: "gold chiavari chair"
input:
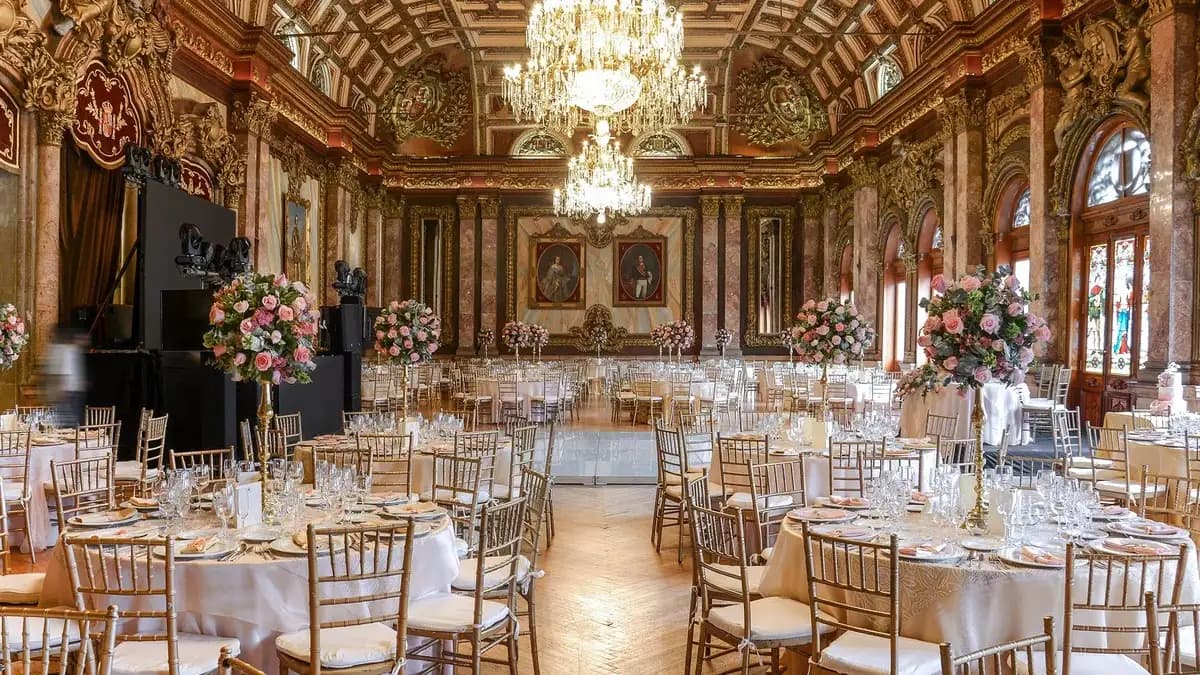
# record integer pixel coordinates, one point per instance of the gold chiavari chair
(246, 440)
(1174, 500)
(353, 457)
(467, 402)
(682, 398)
(850, 467)
(523, 449)
(669, 508)
(94, 415)
(462, 485)
(1010, 657)
(838, 393)
(376, 390)
(1025, 468)
(94, 440)
(391, 461)
(14, 473)
(645, 398)
(699, 434)
(15, 589)
(548, 469)
(214, 458)
(1173, 636)
(292, 429)
(544, 405)
(448, 620)
(103, 568)
(82, 486)
(1191, 444)
(751, 421)
(274, 442)
(737, 454)
(775, 489)
(1105, 601)
(229, 665)
(1115, 482)
(507, 396)
(136, 475)
(368, 567)
(57, 641)
(512, 422)
(938, 427)
(749, 625)
(476, 443)
(859, 579)
(959, 452)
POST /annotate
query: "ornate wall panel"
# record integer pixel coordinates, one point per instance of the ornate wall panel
(759, 253)
(106, 118)
(449, 253)
(10, 133)
(195, 178)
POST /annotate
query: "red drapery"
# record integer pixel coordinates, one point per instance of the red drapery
(90, 233)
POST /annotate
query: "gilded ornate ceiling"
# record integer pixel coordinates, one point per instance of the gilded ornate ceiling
(367, 45)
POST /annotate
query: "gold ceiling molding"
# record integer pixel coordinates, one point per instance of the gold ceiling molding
(1037, 66)
(255, 116)
(306, 123)
(217, 147)
(430, 101)
(775, 104)
(909, 115)
(1009, 46)
(964, 111)
(199, 45)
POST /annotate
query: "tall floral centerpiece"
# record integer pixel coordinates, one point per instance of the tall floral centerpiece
(13, 337)
(407, 333)
(540, 335)
(657, 337)
(722, 337)
(789, 343)
(980, 330)
(677, 335)
(262, 330)
(485, 339)
(830, 332)
(597, 336)
(517, 335)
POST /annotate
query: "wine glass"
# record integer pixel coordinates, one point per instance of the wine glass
(223, 505)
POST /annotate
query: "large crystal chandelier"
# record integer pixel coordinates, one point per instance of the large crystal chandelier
(617, 59)
(600, 182)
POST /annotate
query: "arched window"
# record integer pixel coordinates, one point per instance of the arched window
(895, 298)
(846, 274)
(321, 78)
(1012, 228)
(1112, 262)
(929, 265)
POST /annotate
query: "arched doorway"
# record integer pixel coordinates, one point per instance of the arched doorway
(895, 297)
(929, 265)
(1111, 261)
(846, 274)
(1012, 228)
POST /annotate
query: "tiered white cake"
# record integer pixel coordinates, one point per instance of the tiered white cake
(1170, 392)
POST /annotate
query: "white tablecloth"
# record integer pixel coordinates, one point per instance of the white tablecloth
(41, 531)
(254, 599)
(421, 475)
(1001, 407)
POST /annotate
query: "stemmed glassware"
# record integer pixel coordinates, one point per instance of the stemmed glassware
(224, 501)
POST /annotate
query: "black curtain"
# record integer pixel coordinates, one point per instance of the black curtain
(89, 240)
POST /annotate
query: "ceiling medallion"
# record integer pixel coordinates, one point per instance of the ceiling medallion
(775, 105)
(600, 181)
(616, 59)
(430, 101)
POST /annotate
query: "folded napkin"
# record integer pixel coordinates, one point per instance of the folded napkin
(1132, 547)
(1041, 557)
(915, 442)
(820, 513)
(927, 549)
(300, 539)
(918, 497)
(846, 501)
(199, 545)
(849, 532)
(144, 502)
(1113, 510)
(1150, 527)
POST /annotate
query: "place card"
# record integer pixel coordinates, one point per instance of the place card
(247, 508)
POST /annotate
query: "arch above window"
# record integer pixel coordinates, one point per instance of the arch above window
(540, 143)
(1021, 212)
(663, 143)
(1121, 168)
(320, 77)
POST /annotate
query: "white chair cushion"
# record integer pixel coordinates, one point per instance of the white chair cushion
(458, 497)
(1084, 664)
(675, 491)
(450, 613)
(1085, 473)
(776, 618)
(13, 491)
(461, 547)
(467, 569)
(53, 629)
(343, 647)
(197, 654)
(506, 492)
(21, 589)
(862, 654)
(1187, 646)
(131, 470)
(1038, 404)
(741, 500)
(1098, 462)
(754, 575)
(1132, 489)
(766, 553)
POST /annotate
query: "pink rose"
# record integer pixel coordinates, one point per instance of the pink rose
(280, 280)
(405, 331)
(809, 305)
(839, 327)
(924, 341)
(822, 330)
(982, 375)
(938, 284)
(270, 302)
(1042, 333)
(215, 315)
(300, 304)
(951, 363)
(392, 333)
(286, 313)
(822, 305)
(433, 347)
(952, 323)
(969, 283)
(394, 350)
(218, 351)
(264, 317)
(421, 335)
(837, 340)
(391, 319)
(246, 326)
(1012, 282)
(239, 358)
(262, 361)
(1014, 308)
(414, 357)
(408, 344)
(989, 323)
(241, 306)
(302, 354)
(932, 323)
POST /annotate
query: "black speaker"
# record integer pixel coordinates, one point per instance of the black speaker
(185, 319)
(353, 386)
(347, 327)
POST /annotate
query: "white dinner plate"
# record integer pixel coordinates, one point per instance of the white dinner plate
(981, 544)
(104, 519)
(418, 510)
(286, 546)
(926, 553)
(259, 534)
(1136, 528)
(821, 515)
(1113, 546)
(859, 505)
(1112, 513)
(1013, 556)
(851, 532)
(125, 532)
(216, 552)
(189, 535)
(388, 499)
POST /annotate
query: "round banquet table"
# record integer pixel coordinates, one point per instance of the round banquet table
(255, 598)
(43, 449)
(969, 604)
(1001, 406)
(421, 476)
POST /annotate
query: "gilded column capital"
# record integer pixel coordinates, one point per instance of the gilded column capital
(864, 173)
(254, 116)
(812, 207)
(710, 206)
(1158, 9)
(733, 205)
(910, 262)
(468, 207)
(50, 92)
(52, 125)
(963, 111)
(1038, 69)
(393, 205)
(490, 207)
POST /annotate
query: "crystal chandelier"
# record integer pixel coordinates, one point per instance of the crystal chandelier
(600, 181)
(617, 59)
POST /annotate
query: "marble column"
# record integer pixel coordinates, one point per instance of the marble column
(1047, 231)
(733, 272)
(338, 212)
(832, 282)
(468, 212)
(251, 120)
(47, 256)
(489, 263)
(949, 192)
(910, 306)
(710, 260)
(374, 251)
(393, 249)
(966, 111)
(812, 211)
(1173, 252)
(868, 268)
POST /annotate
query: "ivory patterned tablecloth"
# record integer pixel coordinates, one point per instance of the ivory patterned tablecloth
(971, 605)
(256, 599)
(1001, 405)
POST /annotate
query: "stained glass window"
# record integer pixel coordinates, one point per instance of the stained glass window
(1123, 271)
(937, 239)
(1143, 339)
(1122, 168)
(1096, 307)
(1021, 212)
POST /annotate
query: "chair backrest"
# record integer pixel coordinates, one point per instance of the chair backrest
(672, 467)
(476, 443)
(737, 455)
(152, 443)
(851, 465)
(512, 420)
(775, 489)
(524, 440)
(501, 529)
(1105, 598)
(83, 486)
(107, 569)
(391, 461)
(367, 567)
(941, 426)
(99, 414)
(274, 443)
(960, 452)
(93, 440)
(61, 641)
(360, 460)
(1111, 444)
(291, 427)
(246, 441)
(721, 559)
(751, 421)
(1032, 654)
(852, 577)
(459, 481)
(214, 457)
(1062, 386)
(1170, 499)
(14, 459)
(536, 491)
(1065, 433)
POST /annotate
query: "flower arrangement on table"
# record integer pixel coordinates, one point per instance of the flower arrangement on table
(517, 335)
(830, 331)
(678, 335)
(920, 380)
(722, 337)
(485, 339)
(407, 332)
(980, 330)
(263, 328)
(597, 336)
(540, 336)
(656, 337)
(13, 337)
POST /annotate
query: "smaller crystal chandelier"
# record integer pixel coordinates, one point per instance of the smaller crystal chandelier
(600, 181)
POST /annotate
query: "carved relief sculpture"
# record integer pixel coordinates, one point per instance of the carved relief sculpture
(775, 104)
(105, 118)
(430, 101)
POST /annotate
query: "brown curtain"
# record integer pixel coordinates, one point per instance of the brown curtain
(90, 236)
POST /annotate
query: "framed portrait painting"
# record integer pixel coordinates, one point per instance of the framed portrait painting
(557, 275)
(296, 246)
(640, 271)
